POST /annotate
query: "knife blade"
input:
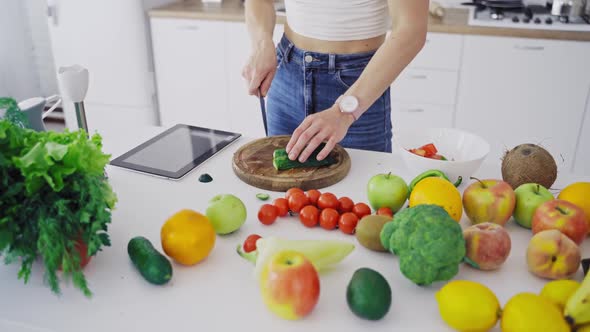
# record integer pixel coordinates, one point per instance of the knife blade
(263, 110)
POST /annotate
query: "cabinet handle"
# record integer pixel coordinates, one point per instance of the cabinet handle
(188, 27)
(52, 11)
(418, 77)
(413, 110)
(529, 48)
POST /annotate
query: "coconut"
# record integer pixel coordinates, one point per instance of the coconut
(529, 163)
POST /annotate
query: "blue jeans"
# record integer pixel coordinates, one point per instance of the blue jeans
(308, 82)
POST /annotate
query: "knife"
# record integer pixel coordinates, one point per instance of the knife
(263, 110)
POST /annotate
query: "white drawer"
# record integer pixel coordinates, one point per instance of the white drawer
(425, 86)
(441, 51)
(415, 115)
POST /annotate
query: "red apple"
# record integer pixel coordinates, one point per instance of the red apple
(489, 201)
(487, 245)
(563, 216)
(290, 285)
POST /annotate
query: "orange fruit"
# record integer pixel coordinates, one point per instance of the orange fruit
(438, 191)
(579, 194)
(187, 237)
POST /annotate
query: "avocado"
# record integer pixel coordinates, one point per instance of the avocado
(368, 294)
(368, 230)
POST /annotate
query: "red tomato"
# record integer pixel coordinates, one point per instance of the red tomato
(309, 216)
(250, 242)
(347, 222)
(297, 201)
(361, 210)
(292, 191)
(313, 196)
(328, 200)
(268, 214)
(329, 218)
(430, 149)
(283, 205)
(346, 204)
(385, 211)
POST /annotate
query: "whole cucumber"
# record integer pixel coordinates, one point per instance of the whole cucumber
(152, 265)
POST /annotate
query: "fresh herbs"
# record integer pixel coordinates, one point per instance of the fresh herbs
(53, 195)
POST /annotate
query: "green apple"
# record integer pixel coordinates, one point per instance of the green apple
(227, 213)
(387, 190)
(528, 197)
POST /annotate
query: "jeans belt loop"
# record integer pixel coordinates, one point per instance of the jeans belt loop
(287, 53)
(331, 63)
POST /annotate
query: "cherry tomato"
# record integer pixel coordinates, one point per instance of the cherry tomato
(385, 211)
(292, 191)
(250, 242)
(347, 222)
(297, 201)
(329, 218)
(283, 205)
(328, 200)
(346, 204)
(313, 196)
(361, 210)
(268, 214)
(309, 216)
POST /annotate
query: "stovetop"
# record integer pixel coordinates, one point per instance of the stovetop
(527, 17)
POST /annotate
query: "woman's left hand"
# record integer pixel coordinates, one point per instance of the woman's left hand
(329, 126)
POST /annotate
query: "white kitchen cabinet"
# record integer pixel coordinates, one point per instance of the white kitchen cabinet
(190, 61)
(514, 91)
(425, 86)
(246, 117)
(441, 51)
(582, 163)
(419, 116)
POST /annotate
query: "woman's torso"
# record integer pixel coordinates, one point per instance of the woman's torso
(337, 26)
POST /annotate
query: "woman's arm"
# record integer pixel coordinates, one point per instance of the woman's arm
(408, 35)
(260, 20)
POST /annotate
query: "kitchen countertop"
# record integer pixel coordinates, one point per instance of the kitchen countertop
(454, 22)
(220, 293)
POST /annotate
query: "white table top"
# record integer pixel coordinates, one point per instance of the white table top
(220, 293)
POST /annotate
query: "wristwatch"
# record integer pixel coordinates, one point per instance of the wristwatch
(349, 104)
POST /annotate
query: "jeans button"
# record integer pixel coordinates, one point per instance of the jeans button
(308, 58)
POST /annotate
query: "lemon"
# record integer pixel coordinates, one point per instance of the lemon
(532, 312)
(468, 306)
(559, 291)
(579, 194)
(438, 191)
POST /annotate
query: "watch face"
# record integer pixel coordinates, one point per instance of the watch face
(349, 104)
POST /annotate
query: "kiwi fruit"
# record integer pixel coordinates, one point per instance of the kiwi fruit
(529, 163)
(368, 231)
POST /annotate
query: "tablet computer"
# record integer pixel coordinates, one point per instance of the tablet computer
(175, 152)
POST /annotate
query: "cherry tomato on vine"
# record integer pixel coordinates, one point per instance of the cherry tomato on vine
(268, 214)
(347, 222)
(328, 200)
(309, 216)
(283, 205)
(298, 201)
(329, 218)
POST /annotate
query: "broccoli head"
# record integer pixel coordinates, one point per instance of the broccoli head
(429, 243)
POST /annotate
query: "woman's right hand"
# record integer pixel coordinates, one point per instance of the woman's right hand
(260, 69)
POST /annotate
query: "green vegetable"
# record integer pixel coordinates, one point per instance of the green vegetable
(432, 173)
(368, 294)
(54, 194)
(262, 196)
(205, 178)
(281, 161)
(429, 243)
(152, 265)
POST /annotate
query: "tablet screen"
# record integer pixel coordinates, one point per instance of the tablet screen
(176, 151)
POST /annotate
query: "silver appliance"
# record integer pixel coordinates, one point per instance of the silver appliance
(568, 9)
(520, 15)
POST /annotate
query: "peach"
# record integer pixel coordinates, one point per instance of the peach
(290, 285)
(562, 215)
(488, 245)
(553, 255)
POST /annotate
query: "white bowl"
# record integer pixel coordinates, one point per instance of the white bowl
(465, 151)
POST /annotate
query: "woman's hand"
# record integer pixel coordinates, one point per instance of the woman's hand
(329, 126)
(261, 67)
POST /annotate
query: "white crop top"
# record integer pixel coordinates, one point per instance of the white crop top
(338, 20)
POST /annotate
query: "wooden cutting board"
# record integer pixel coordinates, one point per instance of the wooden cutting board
(252, 163)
